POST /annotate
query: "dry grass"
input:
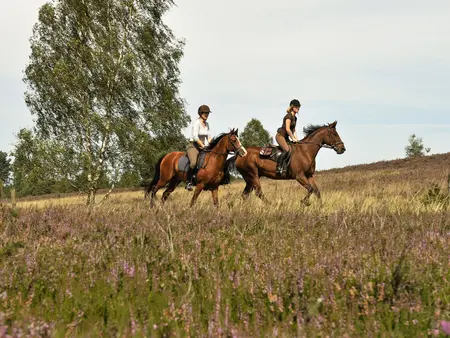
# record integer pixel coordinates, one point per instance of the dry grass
(371, 260)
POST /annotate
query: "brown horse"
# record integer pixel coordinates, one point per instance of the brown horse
(209, 176)
(302, 161)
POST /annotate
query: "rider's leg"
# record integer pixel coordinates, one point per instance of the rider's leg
(281, 140)
(192, 153)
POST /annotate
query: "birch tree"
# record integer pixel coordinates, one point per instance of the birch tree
(102, 74)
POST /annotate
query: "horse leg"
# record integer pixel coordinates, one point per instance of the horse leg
(258, 190)
(172, 185)
(253, 183)
(198, 190)
(260, 194)
(148, 191)
(248, 188)
(316, 191)
(154, 190)
(303, 180)
(215, 197)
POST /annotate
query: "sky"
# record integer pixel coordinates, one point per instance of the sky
(380, 68)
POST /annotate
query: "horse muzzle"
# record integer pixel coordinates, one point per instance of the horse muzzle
(339, 149)
(242, 151)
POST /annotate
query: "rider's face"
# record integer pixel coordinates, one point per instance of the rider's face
(204, 116)
(295, 109)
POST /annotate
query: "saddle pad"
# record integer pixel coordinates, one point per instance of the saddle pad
(183, 162)
(266, 151)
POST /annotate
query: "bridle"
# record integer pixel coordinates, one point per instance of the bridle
(333, 146)
(233, 143)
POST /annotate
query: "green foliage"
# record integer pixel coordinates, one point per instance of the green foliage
(148, 151)
(129, 179)
(31, 176)
(101, 74)
(5, 167)
(254, 134)
(46, 166)
(415, 147)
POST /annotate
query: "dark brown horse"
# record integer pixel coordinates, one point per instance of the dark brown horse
(302, 161)
(209, 176)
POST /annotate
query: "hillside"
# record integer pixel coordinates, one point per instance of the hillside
(414, 174)
(370, 260)
(422, 171)
(431, 162)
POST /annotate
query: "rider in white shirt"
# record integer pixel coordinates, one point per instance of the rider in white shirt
(200, 137)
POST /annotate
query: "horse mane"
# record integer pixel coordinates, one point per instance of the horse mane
(215, 141)
(311, 129)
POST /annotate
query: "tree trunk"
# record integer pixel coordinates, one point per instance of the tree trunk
(13, 197)
(1, 190)
(90, 202)
(97, 168)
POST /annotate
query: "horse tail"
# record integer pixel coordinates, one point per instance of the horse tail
(229, 167)
(155, 177)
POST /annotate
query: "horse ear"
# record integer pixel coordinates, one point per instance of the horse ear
(237, 131)
(333, 125)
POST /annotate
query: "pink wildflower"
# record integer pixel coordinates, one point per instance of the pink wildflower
(445, 326)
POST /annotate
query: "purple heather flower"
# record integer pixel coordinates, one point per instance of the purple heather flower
(445, 326)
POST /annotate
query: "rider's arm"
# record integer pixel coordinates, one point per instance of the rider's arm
(288, 129)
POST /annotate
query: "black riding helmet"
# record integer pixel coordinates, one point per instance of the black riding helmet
(295, 103)
(203, 109)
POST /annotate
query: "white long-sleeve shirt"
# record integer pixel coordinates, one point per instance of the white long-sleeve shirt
(200, 132)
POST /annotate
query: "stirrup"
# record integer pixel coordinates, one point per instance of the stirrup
(279, 170)
(189, 186)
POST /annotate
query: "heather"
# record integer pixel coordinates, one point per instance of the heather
(372, 259)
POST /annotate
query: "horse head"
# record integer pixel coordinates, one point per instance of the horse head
(333, 140)
(324, 136)
(236, 143)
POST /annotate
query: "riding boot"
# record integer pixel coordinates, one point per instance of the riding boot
(280, 163)
(194, 176)
(190, 178)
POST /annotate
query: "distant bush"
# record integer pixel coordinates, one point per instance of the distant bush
(415, 147)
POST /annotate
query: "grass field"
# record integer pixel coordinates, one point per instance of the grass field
(373, 259)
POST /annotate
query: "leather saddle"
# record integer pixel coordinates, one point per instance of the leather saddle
(270, 153)
(183, 162)
(273, 153)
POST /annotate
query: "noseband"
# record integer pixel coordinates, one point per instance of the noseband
(333, 146)
(233, 143)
